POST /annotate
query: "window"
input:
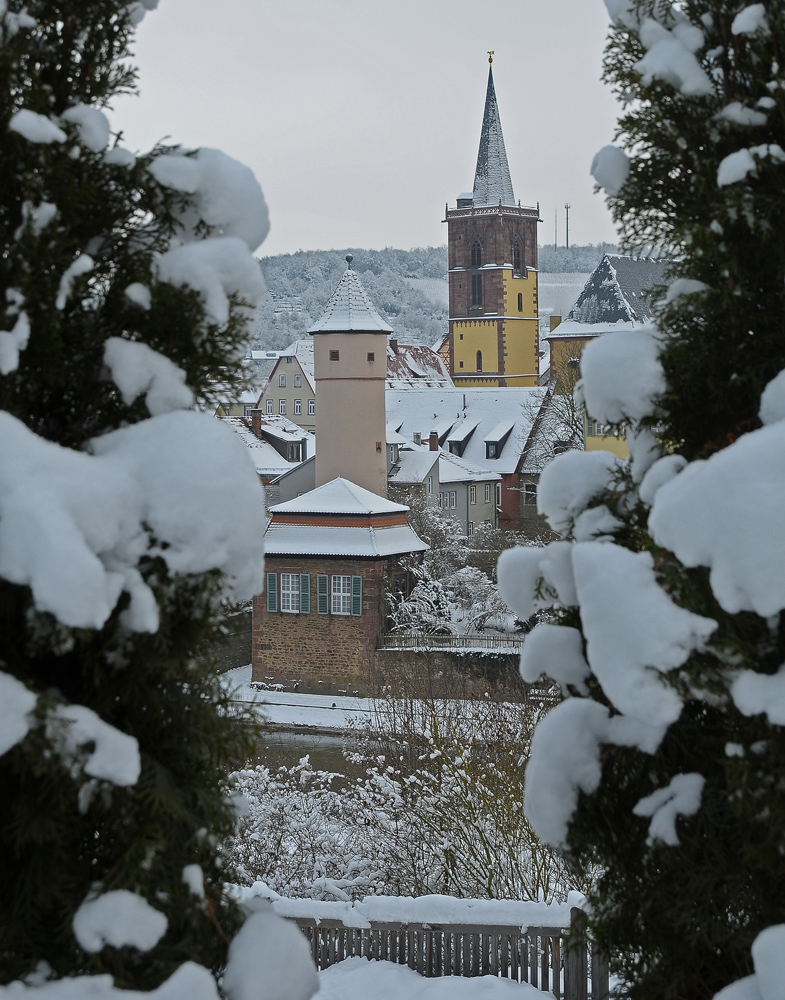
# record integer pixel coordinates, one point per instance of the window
(430, 486)
(520, 302)
(530, 493)
(460, 363)
(371, 356)
(346, 595)
(472, 494)
(311, 407)
(290, 592)
(298, 381)
(448, 499)
(471, 528)
(269, 406)
(248, 411)
(298, 406)
(476, 254)
(491, 449)
(479, 361)
(282, 407)
(293, 452)
(516, 255)
(282, 379)
(295, 591)
(335, 356)
(289, 359)
(498, 494)
(487, 492)
(476, 302)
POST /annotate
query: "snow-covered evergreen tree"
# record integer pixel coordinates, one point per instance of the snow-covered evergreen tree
(126, 518)
(664, 762)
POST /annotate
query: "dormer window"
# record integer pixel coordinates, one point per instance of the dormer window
(476, 254)
(491, 449)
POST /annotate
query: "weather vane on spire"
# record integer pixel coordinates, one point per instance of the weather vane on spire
(490, 56)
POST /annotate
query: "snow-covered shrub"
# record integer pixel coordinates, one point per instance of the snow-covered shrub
(664, 762)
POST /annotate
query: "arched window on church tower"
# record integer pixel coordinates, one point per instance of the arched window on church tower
(516, 255)
(479, 361)
(476, 254)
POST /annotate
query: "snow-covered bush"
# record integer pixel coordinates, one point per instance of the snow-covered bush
(437, 809)
(127, 519)
(664, 762)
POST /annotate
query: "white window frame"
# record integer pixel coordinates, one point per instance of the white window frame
(471, 528)
(270, 406)
(430, 486)
(282, 380)
(487, 492)
(289, 593)
(311, 407)
(341, 595)
(498, 494)
(282, 407)
(298, 381)
(472, 495)
(298, 406)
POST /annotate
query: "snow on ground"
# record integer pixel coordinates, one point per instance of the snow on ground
(290, 708)
(358, 979)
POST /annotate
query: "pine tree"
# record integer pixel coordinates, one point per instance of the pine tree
(683, 894)
(87, 234)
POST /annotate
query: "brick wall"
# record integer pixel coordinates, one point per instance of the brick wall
(335, 649)
(234, 650)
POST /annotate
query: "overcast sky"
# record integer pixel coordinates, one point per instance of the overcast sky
(361, 118)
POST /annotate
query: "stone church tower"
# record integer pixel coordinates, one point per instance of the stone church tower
(350, 369)
(492, 260)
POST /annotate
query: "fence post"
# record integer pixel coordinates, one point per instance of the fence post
(575, 959)
(600, 977)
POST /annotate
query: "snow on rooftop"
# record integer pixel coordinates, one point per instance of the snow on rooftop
(341, 496)
(302, 352)
(453, 469)
(461, 431)
(350, 309)
(413, 465)
(618, 291)
(423, 410)
(266, 460)
(333, 540)
(499, 430)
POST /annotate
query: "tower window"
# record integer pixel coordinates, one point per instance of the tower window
(476, 291)
(476, 254)
(520, 302)
(479, 361)
(334, 355)
(516, 255)
(371, 356)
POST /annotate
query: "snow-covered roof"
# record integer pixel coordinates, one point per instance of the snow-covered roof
(393, 437)
(423, 410)
(340, 496)
(616, 297)
(302, 352)
(492, 183)
(350, 309)
(461, 431)
(416, 365)
(456, 470)
(283, 428)
(413, 465)
(503, 427)
(266, 460)
(329, 540)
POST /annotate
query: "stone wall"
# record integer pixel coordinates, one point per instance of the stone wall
(234, 650)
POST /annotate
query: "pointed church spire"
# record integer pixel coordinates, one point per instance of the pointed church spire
(492, 182)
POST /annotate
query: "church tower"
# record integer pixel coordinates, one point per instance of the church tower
(492, 261)
(350, 369)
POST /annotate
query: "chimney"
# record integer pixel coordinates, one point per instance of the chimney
(417, 437)
(555, 321)
(394, 344)
(433, 441)
(256, 422)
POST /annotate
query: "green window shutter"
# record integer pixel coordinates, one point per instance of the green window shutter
(305, 593)
(272, 591)
(322, 594)
(357, 595)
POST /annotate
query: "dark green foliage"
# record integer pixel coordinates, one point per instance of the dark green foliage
(680, 921)
(62, 835)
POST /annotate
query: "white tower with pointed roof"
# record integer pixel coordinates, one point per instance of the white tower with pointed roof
(350, 368)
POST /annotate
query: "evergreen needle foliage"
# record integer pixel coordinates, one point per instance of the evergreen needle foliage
(62, 834)
(680, 920)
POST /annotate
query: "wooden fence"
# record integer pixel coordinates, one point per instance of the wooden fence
(553, 959)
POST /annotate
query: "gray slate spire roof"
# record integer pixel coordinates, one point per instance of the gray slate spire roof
(492, 182)
(350, 308)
